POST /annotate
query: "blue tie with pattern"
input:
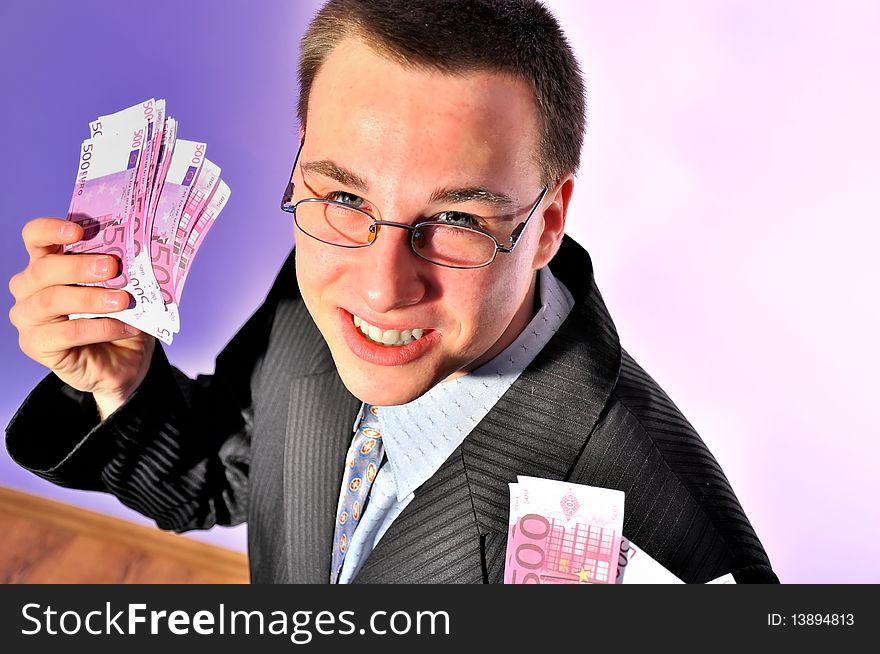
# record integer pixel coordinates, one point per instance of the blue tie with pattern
(361, 467)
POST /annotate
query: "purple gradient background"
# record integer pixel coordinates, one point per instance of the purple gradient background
(728, 195)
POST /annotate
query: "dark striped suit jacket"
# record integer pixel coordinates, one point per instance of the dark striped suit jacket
(264, 439)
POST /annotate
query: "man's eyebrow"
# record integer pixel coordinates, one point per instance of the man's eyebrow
(333, 170)
(342, 175)
(473, 194)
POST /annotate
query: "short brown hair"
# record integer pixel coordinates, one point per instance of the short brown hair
(516, 37)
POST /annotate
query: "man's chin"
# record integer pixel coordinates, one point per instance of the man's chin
(388, 391)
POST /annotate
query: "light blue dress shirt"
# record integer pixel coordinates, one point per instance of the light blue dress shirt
(420, 435)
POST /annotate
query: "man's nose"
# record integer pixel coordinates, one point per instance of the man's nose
(393, 276)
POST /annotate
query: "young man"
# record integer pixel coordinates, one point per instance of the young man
(432, 299)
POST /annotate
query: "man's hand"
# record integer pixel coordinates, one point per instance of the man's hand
(102, 356)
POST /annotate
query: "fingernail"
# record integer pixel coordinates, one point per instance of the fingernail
(101, 267)
(113, 300)
(69, 231)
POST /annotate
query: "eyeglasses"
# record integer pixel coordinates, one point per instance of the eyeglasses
(440, 242)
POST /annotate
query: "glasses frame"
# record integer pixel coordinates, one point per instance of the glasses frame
(289, 206)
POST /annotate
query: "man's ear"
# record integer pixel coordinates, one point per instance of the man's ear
(556, 208)
(302, 132)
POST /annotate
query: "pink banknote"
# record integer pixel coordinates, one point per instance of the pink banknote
(563, 533)
(142, 233)
(635, 566)
(197, 234)
(113, 125)
(199, 196)
(186, 162)
(163, 160)
(102, 204)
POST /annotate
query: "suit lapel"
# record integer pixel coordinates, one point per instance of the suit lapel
(455, 529)
(435, 538)
(318, 435)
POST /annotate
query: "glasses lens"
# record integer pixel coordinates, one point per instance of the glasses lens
(334, 223)
(453, 246)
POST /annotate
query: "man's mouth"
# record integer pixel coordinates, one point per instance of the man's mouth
(388, 337)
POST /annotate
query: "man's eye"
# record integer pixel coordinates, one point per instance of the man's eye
(457, 218)
(350, 199)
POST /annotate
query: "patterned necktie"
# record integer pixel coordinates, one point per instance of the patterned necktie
(361, 467)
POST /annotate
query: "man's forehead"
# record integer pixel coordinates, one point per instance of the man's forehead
(473, 124)
(353, 68)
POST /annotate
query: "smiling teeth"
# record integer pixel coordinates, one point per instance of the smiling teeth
(390, 337)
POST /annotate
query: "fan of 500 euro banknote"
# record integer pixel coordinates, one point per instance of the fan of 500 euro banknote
(148, 198)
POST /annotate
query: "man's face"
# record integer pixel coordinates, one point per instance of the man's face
(389, 139)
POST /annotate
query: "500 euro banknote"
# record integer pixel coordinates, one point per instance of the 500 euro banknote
(562, 533)
(196, 235)
(102, 205)
(183, 169)
(635, 566)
